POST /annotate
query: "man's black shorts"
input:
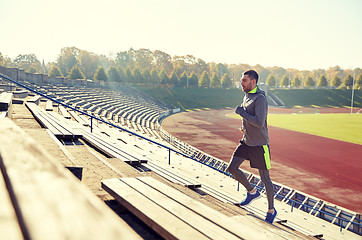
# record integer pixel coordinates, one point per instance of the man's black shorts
(259, 156)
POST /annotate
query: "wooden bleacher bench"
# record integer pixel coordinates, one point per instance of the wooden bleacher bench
(51, 122)
(20, 93)
(5, 101)
(64, 112)
(80, 118)
(34, 99)
(172, 177)
(174, 215)
(110, 149)
(9, 226)
(39, 199)
(49, 106)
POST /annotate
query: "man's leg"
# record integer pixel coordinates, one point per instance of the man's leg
(239, 175)
(264, 175)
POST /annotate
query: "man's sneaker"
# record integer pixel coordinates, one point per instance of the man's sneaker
(250, 197)
(271, 216)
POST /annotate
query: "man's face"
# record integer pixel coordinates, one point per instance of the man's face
(247, 84)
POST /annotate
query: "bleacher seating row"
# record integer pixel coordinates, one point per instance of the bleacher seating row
(111, 106)
(40, 200)
(177, 216)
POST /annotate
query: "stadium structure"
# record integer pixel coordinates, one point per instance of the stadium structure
(175, 189)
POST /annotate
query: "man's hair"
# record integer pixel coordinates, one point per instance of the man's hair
(252, 74)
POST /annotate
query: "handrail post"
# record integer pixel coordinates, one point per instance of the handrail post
(91, 124)
(169, 156)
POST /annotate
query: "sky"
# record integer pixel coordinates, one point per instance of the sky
(304, 35)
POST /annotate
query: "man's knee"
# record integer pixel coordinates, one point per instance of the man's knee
(264, 176)
(234, 164)
(230, 169)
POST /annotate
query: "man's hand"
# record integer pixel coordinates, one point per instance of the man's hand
(239, 110)
(242, 130)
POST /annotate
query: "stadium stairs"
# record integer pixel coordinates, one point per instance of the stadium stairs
(135, 131)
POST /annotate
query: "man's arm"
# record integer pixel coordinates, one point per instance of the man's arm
(261, 109)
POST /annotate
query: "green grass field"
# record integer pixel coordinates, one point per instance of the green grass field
(344, 127)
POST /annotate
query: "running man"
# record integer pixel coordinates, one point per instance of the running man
(254, 145)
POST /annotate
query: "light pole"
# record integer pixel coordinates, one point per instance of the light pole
(289, 81)
(353, 81)
(187, 77)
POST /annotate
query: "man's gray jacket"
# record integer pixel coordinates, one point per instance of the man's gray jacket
(254, 111)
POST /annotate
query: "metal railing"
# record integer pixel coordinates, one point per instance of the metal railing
(103, 121)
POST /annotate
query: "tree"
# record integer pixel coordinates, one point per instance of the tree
(278, 72)
(55, 72)
(137, 76)
(182, 63)
(221, 69)
(191, 63)
(263, 75)
(309, 82)
(100, 74)
(204, 80)
(122, 75)
(125, 59)
(146, 75)
(75, 73)
(163, 61)
(179, 65)
(173, 79)
(215, 81)
(193, 80)
(88, 63)
(8, 62)
(336, 81)
(113, 74)
(155, 78)
(359, 81)
(32, 70)
(348, 81)
(322, 82)
(163, 77)
(67, 59)
(2, 60)
(183, 79)
(27, 61)
(226, 81)
(296, 82)
(143, 58)
(285, 81)
(129, 75)
(271, 81)
(333, 71)
(201, 66)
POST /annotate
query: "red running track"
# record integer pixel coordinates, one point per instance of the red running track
(325, 168)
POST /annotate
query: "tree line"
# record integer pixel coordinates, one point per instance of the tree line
(157, 68)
